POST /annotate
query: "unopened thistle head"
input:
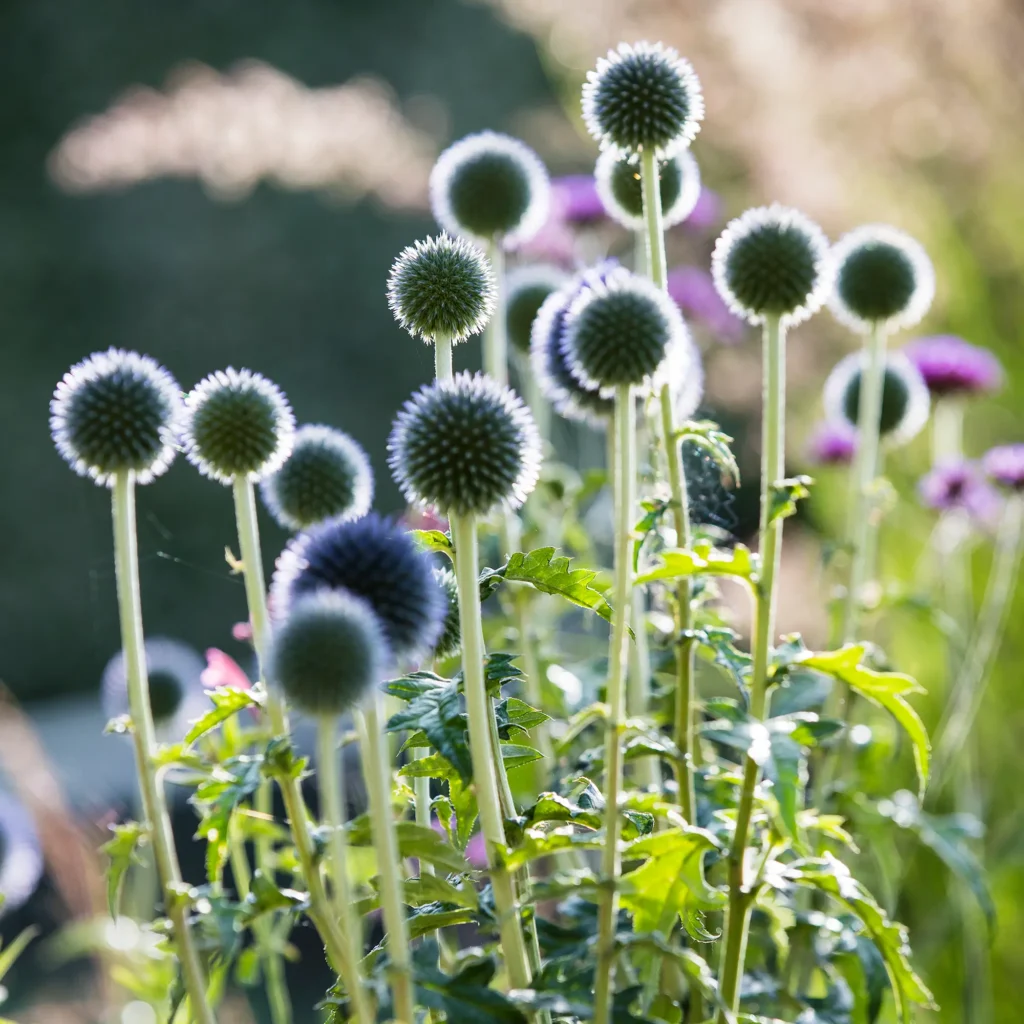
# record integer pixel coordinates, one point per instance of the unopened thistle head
(1004, 465)
(467, 444)
(21, 854)
(643, 96)
(490, 186)
(328, 653)
(450, 641)
(373, 559)
(619, 186)
(527, 288)
(952, 366)
(772, 262)
(618, 331)
(238, 425)
(905, 400)
(442, 287)
(327, 475)
(883, 278)
(116, 412)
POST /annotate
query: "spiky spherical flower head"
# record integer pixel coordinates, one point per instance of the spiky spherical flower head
(772, 261)
(490, 186)
(643, 96)
(952, 366)
(1005, 466)
(450, 641)
(905, 400)
(527, 288)
(442, 287)
(373, 559)
(116, 411)
(328, 653)
(238, 425)
(618, 331)
(568, 397)
(466, 445)
(621, 191)
(21, 854)
(883, 277)
(327, 475)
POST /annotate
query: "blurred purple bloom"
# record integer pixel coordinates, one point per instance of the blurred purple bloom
(707, 214)
(694, 293)
(1005, 465)
(959, 486)
(21, 860)
(952, 366)
(833, 443)
(574, 199)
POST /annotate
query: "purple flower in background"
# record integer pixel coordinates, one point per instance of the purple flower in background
(21, 859)
(1005, 465)
(833, 443)
(959, 486)
(952, 366)
(575, 199)
(707, 214)
(695, 294)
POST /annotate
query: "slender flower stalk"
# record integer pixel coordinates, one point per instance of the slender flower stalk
(126, 560)
(611, 856)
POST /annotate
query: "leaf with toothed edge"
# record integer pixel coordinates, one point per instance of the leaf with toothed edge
(434, 541)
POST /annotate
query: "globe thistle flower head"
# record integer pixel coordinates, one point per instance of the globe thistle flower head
(621, 192)
(450, 641)
(326, 476)
(526, 289)
(467, 445)
(328, 652)
(490, 186)
(238, 425)
(959, 486)
(114, 412)
(772, 261)
(905, 400)
(833, 443)
(618, 331)
(21, 855)
(1005, 466)
(952, 366)
(442, 287)
(176, 693)
(643, 96)
(883, 277)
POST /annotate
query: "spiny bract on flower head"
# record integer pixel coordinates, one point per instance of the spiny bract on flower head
(371, 558)
(772, 261)
(238, 425)
(905, 400)
(883, 277)
(621, 191)
(114, 412)
(643, 96)
(618, 331)
(466, 444)
(490, 186)
(328, 653)
(527, 287)
(327, 475)
(442, 287)
(450, 641)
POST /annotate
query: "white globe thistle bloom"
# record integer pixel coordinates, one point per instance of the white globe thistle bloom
(21, 856)
(619, 187)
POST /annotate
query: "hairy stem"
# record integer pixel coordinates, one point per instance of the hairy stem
(154, 805)
(611, 858)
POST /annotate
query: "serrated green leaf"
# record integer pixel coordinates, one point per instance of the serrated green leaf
(513, 714)
(465, 997)
(227, 701)
(515, 755)
(463, 800)
(784, 494)
(426, 845)
(437, 915)
(654, 511)
(702, 560)
(216, 799)
(123, 852)
(536, 843)
(707, 435)
(434, 540)
(437, 712)
(435, 889)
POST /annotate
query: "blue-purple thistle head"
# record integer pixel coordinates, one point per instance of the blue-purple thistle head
(619, 186)
(467, 444)
(238, 425)
(326, 476)
(442, 287)
(116, 412)
(373, 559)
(490, 186)
(951, 366)
(21, 854)
(328, 652)
(643, 97)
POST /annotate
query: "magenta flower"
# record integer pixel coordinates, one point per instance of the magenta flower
(1005, 466)
(695, 294)
(952, 366)
(707, 214)
(222, 670)
(833, 443)
(575, 199)
(959, 486)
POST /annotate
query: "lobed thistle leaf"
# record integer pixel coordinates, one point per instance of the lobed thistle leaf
(619, 185)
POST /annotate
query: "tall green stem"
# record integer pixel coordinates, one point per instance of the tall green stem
(377, 769)
(611, 856)
(741, 894)
(129, 599)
